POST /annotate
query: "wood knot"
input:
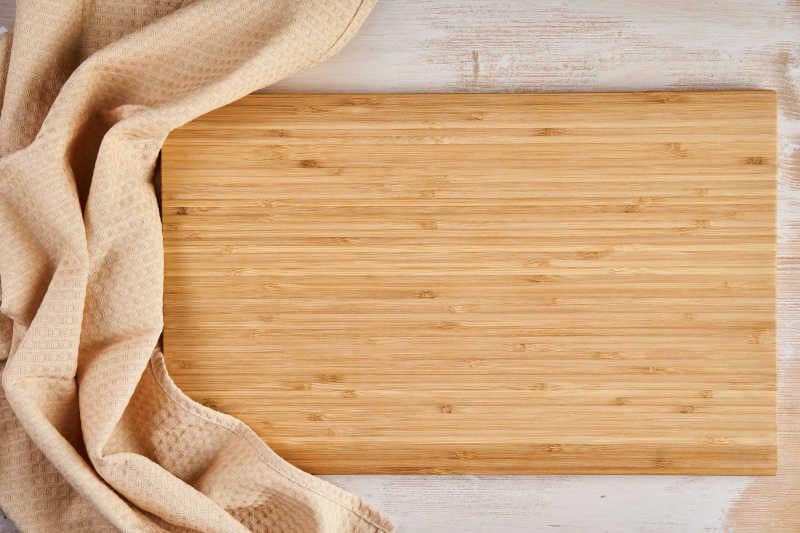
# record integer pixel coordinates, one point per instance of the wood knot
(211, 404)
(358, 101)
(661, 463)
(754, 338)
(463, 455)
(181, 211)
(755, 160)
(538, 263)
(541, 279)
(591, 255)
(464, 308)
(667, 98)
(605, 355)
(309, 163)
(550, 132)
(426, 294)
(677, 149)
(428, 224)
(446, 408)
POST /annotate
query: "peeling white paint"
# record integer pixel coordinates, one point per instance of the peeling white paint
(561, 504)
(586, 45)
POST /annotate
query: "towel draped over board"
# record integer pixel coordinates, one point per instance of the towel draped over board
(95, 436)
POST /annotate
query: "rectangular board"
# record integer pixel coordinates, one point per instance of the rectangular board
(481, 283)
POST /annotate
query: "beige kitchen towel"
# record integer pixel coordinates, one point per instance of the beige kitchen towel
(93, 434)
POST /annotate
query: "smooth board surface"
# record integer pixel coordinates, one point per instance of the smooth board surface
(554, 283)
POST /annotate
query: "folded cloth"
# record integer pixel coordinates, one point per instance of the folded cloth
(93, 434)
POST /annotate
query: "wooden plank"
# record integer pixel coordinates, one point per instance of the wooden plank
(553, 283)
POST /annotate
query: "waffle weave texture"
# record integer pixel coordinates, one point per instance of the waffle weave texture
(94, 436)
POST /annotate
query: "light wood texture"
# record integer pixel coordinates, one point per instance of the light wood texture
(481, 283)
(433, 46)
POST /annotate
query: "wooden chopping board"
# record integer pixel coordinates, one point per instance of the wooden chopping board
(519, 283)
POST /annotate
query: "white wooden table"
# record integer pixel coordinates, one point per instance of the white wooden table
(593, 45)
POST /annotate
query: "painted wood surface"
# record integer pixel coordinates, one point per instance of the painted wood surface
(469, 283)
(593, 45)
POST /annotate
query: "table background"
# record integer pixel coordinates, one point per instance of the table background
(600, 45)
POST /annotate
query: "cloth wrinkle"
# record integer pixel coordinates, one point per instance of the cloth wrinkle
(96, 437)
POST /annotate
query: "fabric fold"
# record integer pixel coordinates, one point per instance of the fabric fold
(97, 436)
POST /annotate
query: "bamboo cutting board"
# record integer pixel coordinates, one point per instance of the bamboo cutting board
(553, 283)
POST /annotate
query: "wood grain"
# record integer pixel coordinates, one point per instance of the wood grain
(481, 283)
